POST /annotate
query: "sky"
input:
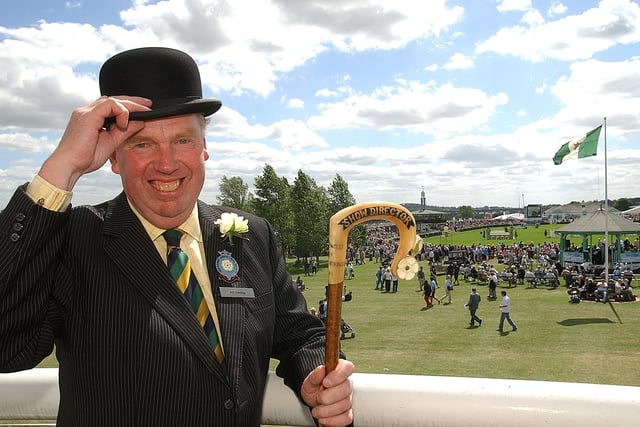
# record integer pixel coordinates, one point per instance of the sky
(465, 100)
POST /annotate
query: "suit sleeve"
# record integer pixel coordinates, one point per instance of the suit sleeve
(299, 337)
(31, 307)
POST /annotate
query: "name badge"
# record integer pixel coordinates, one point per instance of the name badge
(231, 292)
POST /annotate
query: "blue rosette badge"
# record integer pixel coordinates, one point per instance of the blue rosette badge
(227, 267)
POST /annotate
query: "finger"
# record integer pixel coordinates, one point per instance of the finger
(311, 386)
(117, 110)
(337, 414)
(343, 370)
(335, 394)
(119, 135)
(344, 419)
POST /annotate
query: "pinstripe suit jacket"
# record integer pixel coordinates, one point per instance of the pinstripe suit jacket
(130, 351)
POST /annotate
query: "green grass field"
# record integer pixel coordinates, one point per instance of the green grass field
(587, 342)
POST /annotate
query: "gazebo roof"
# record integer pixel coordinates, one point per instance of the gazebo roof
(598, 222)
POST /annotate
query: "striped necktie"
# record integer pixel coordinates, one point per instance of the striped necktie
(180, 269)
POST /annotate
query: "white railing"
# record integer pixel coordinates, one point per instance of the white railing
(398, 400)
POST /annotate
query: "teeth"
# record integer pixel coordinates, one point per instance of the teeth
(166, 186)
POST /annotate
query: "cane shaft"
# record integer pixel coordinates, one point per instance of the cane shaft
(334, 315)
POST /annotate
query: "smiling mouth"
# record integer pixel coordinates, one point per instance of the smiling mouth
(166, 187)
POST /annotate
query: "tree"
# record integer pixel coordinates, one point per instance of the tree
(339, 197)
(311, 216)
(235, 193)
(465, 211)
(622, 204)
(273, 202)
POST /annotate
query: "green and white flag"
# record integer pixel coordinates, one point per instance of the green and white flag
(580, 147)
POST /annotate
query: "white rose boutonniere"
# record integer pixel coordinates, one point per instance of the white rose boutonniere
(231, 225)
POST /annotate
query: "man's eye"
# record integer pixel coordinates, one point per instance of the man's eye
(185, 143)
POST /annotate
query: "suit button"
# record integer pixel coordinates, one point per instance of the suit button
(14, 237)
(228, 404)
(17, 226)
(20, 217)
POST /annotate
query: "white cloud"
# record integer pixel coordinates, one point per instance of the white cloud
(289, 134)
(532, 17)
(573, 37)
(296, 103)
(459, 62)
(412, 106)
(25, 142)
(556, 8)
(513, 5)
(596, 89)
(326, 93)
(295, 135)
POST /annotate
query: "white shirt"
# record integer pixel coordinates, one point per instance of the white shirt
(506, 304)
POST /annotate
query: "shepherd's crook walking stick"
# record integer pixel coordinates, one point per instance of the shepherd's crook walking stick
(404, 266)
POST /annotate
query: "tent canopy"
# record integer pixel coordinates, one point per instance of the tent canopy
(517, 216)
(632, 211)
(598, 222)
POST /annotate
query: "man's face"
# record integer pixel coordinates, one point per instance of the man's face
(162, 168)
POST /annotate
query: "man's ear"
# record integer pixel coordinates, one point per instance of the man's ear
(204, 145)
(115, 167)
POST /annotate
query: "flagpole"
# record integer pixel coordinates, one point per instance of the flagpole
(606, 211)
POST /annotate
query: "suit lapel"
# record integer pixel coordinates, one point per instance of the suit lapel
(131, 242)
(230, 310)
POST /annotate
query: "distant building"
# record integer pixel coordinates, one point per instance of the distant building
(427, 219)
(573, 210)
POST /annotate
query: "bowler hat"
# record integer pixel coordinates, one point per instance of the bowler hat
(169, 77)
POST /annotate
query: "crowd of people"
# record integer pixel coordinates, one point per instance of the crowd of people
(617, 287)
(522, 263)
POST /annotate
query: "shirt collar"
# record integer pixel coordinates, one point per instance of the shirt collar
(191, 226)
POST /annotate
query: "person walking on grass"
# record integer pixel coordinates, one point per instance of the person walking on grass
(493, 285)
(472, 305)
(505, 313)
(448, 286)
(394, 283)
(421, 278)
(432, 289)
(379, 278)
(426, 292)
(386, 277)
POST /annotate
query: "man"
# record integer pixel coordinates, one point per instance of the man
(472, 305)
(421, 278)
(433, 285)
(493, 284)
(505, 313)
(448, 286)
(379, 278)
(94, 280)
(386, 278)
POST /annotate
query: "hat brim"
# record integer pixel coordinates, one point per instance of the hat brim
(206, 107)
